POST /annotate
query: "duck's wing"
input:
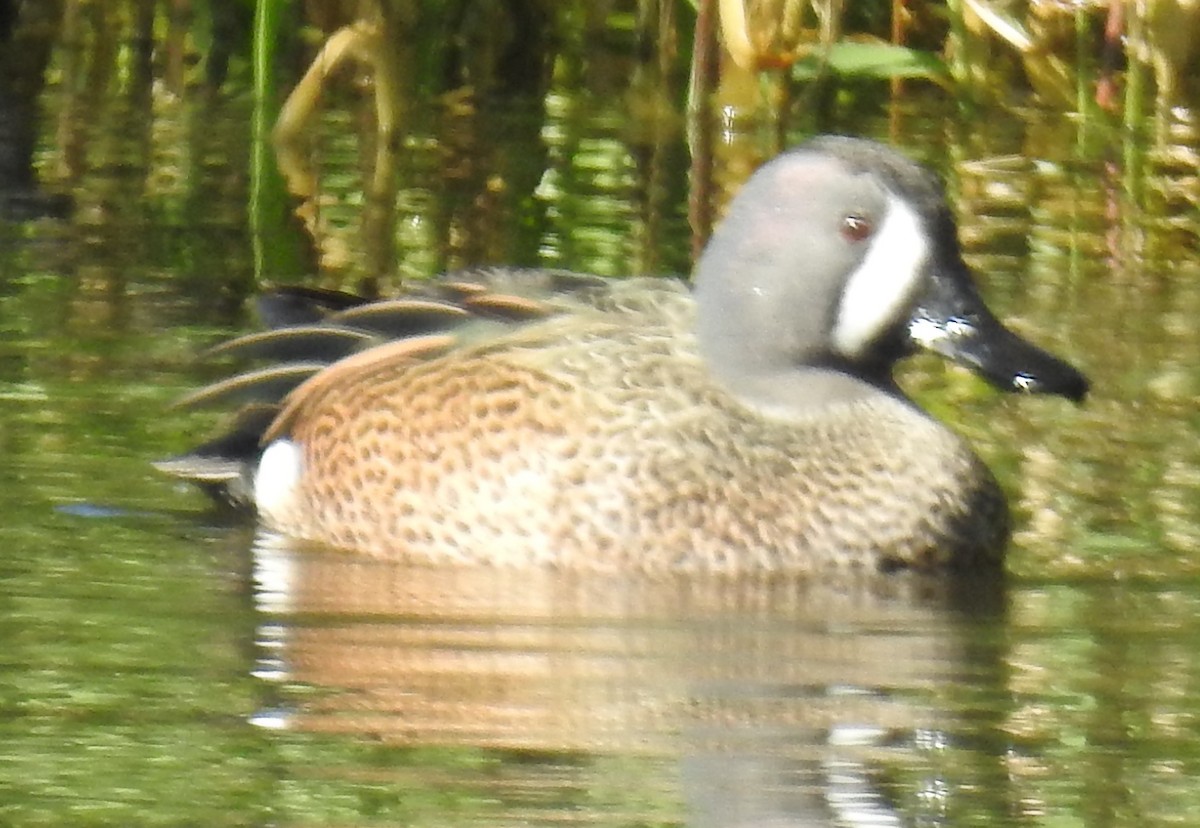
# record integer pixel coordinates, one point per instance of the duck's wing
(318, 338)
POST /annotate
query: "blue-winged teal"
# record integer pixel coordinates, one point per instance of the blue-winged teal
(748, 423)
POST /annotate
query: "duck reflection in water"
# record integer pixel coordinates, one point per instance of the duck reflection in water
(742, 701)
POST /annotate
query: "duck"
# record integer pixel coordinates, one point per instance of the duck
(745, 420)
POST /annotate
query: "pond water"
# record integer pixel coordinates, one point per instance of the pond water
(162, 666)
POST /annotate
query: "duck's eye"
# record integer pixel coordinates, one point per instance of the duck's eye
(855, 228)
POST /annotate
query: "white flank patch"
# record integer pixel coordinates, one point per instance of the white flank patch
(881, 288)
(277, 476)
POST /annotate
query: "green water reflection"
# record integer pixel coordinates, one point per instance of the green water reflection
(156, 671)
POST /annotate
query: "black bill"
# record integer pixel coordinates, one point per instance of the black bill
(952, 320)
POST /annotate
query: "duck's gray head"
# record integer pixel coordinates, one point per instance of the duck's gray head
(835, 260)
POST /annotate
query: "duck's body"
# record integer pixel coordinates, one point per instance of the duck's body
(750, 424)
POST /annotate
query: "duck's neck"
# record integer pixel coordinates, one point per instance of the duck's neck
(802, 391)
